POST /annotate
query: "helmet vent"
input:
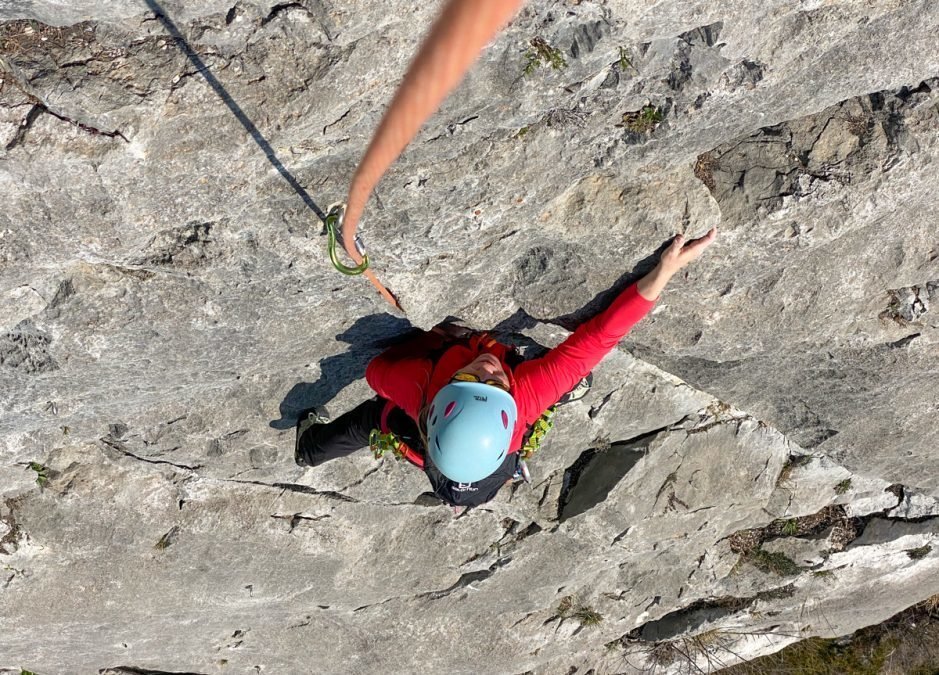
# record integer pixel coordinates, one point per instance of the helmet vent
(450, 406)
(505, 419)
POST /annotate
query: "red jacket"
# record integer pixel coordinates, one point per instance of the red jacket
(409, 378)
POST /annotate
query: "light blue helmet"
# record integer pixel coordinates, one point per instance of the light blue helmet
(469, 430)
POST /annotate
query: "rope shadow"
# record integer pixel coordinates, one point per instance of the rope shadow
(236, 110)
(368, 335)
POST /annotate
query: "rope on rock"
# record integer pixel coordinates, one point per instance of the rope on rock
(457, 37)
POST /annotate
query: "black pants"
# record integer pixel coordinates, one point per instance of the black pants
(349, 432)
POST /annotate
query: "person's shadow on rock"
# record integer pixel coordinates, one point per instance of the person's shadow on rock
(367, 336)
(370, 335)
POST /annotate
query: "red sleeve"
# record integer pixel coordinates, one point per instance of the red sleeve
(402, 373)
(539, 383)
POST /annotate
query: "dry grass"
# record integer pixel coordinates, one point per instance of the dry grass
(704, 169)
(906, 644)
(565, 607)
(745, 541)
(27, 38)
(682, 655)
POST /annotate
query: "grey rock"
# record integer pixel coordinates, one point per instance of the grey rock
(167, 310)
(913, 505)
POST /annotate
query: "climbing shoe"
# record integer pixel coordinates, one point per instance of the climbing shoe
(305, 420)
(579, 391)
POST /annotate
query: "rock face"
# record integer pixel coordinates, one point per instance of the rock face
(756, 465)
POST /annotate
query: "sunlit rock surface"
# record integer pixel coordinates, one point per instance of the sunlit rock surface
(755, 465)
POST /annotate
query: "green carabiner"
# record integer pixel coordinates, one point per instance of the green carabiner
(333, 224)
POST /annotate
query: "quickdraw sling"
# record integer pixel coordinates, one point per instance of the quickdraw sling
(457, 37)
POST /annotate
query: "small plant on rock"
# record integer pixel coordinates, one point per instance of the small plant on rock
(540, 54)
(42, 473)
(643, 121)
(918, 553)
(842, 487)
(588, 616)
(791, 527)
(624, 61)
(775, 563)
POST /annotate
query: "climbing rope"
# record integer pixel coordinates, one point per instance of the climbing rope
(455, 40)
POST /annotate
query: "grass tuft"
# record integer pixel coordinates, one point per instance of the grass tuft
(588, 616)
(643, 121)
(918, 553)
(542, 54)
(773, 563)
(842, 487)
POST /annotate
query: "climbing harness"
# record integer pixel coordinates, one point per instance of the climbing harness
(457, 37)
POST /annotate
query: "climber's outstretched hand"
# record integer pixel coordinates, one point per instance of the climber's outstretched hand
(677, 255)
(680, 253)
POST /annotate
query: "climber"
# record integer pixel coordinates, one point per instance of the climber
(462, 406)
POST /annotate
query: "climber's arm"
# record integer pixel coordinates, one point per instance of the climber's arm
(541, 382)
(676, 256)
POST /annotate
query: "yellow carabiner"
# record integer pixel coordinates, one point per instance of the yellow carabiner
(333, 224)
